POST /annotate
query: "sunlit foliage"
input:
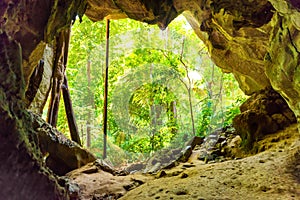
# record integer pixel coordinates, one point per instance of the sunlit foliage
(161, 85)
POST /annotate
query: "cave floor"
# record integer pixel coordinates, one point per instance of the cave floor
(271, 174)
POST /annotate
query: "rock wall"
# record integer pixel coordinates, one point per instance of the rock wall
(283, 58)
(160, 12)
(257, 41)
(22, 173)
(30, 146)
(26, 29)
(236, 34)
(35, 24)
(263, 113)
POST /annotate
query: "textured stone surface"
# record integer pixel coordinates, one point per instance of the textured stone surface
(160, 12)
(257, 41)
(236, 34)
(96, 183)
(166, 158)
(218, 145)
(32, 23)
(283, 59)
(40, 97)
(263, 113)
(61, 155)
(271, 174)
(22, 173)
(28, 144)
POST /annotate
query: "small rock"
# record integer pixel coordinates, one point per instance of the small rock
(135, 167)
(181, 192)
(194, 141)
(264, 188)
(188, 165)
(161, 174)
(155, 168)
(176, 173)
(184, 175)
(185, 154)
(90, 170)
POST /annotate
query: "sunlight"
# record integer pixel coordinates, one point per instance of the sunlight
(139, 106)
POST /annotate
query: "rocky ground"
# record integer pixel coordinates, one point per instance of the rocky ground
(273, 173)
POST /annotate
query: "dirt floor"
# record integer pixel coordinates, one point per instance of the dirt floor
(272, 174)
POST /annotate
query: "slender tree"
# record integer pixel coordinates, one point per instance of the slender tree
(70, 113)
(188, 87)
(91, 103)
(106, 91)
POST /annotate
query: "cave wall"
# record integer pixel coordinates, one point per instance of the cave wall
(35, 25)
(237, 40)
(27, 27)
(283, 58)
(22, 172)
(256, 40)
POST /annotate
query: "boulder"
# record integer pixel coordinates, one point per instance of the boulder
(168, 158)
(215, 145)
(263, 113)
(61, 155)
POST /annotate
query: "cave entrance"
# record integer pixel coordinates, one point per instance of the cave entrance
(163, 88)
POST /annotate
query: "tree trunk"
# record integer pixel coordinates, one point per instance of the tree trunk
(88, 131)
(61, 52)
(91, 103)
(70, 113)
(172, 115)
(153, 124)
(188, 87)
(191, 108)
(105, 90)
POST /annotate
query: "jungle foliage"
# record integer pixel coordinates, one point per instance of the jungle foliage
(163, 87)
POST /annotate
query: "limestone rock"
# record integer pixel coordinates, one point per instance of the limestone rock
(60, 154)
(257, 41)
(273, 174)
(135, 167)
(38, 102)
(167, 158)
(263, 113)
(216, 144)
(36, 23)
(252, 125)
(23, 175)
(95, 183)
(236, 35)
(160, 12)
